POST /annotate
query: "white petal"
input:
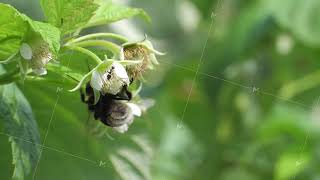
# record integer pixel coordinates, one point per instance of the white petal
(121, 54)
(135, 109)
(145, 104)
(26, 51)
(120, 72)
(41, 71)
(96, 81)
(121, 129)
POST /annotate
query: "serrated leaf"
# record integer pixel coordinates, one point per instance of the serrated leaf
(131, 161)
(109, 12)
(125, 171)
(144, 144)
(68, 15)
(17, 27)
(138, 159)
(48, 33)
(22, 129)
(301, 17)
(12, 30)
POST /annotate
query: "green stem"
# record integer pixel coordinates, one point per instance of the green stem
(114, 48)
(87, 52)
(98, 35)
(298, 86)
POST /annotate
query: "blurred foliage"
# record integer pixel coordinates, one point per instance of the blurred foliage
(228, 131)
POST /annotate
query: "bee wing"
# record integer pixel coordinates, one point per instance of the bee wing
(145, 104)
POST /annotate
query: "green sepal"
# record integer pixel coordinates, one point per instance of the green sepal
(82, 81)
(100, 67)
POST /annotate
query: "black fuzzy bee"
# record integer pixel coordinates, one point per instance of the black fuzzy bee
(109, 109)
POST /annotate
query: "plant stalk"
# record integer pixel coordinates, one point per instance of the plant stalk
(98, 35)
(87, 52)
(114, 48)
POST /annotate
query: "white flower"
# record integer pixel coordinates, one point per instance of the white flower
(37, 55)
(136, 110)
(110, 80)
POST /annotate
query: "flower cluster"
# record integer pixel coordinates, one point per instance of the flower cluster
(110, 80)
(113, 84)
(32, 56)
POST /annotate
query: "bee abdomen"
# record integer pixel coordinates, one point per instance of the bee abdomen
(118, 115)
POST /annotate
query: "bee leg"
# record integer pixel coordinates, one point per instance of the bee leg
(82, 96)
(124, 94)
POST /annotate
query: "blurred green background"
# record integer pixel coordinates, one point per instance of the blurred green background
(252, 112)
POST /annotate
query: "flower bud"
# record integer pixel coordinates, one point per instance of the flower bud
(141, 51)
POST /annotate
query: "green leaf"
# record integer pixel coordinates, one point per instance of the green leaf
(22, 129)
(132, 163)
(290, 164)
(109, 12)
(16, 28)
(301, 17)
(47, 32)
(285, 120)
(68, 15)
(12, 30)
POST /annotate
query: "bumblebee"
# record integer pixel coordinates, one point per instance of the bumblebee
(110, 109)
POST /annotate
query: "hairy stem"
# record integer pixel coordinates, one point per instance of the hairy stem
(99, 35)
(114, 48)
(85, 51)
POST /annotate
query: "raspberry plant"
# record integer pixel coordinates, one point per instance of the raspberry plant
(30, 50)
